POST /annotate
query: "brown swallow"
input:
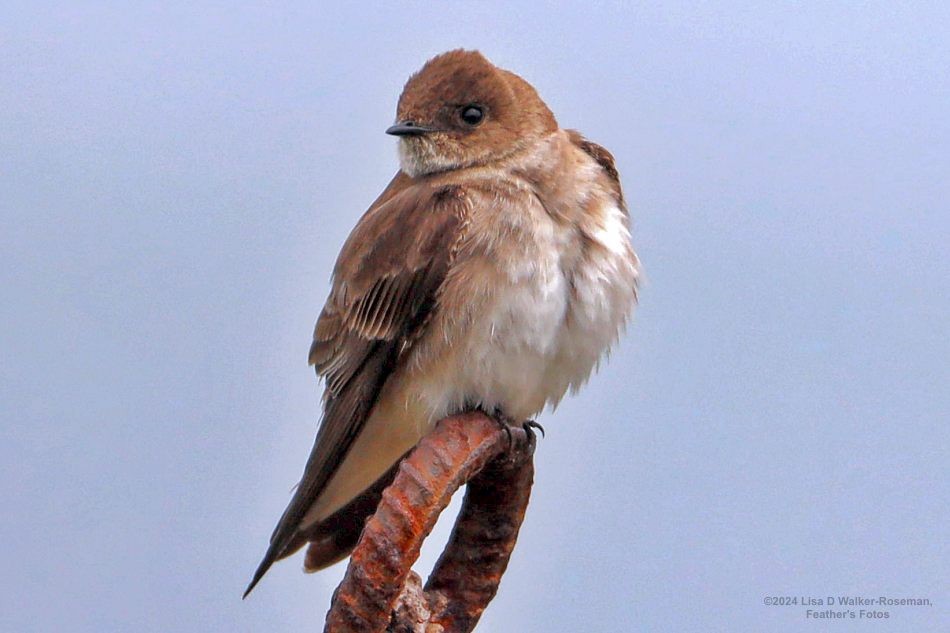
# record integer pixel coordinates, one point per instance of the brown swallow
(493, 272)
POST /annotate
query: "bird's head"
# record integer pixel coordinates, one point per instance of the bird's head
(460, 110)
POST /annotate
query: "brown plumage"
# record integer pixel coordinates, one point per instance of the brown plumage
(493, 271)
(385, 282)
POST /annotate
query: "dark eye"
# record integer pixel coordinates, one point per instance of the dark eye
(472, 114)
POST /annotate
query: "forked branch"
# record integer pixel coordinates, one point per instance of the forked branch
(380, 592)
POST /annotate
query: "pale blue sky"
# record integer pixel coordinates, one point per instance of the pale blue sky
(177, 178)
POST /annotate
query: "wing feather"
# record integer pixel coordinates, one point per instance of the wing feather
(385, 284)
(604, 158)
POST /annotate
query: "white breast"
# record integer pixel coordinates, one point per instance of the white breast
(604, 293)
(548, 322)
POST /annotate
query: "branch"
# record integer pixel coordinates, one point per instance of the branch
(380, 590)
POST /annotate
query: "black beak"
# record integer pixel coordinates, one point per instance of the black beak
(408, 128)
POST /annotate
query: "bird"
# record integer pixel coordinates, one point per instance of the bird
(493, 273)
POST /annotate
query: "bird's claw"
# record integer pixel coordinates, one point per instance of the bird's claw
(530, 425)
(505, 423)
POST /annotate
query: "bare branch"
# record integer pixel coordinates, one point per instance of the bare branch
(379, 591)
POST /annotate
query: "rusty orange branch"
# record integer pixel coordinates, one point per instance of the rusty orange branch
(379, 591)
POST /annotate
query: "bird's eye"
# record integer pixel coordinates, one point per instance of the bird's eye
(472, 114)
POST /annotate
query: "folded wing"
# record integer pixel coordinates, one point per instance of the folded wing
(385, 286)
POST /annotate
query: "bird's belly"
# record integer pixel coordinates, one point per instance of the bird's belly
(512, 343)
(541, 333)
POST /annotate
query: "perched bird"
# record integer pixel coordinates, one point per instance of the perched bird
(492, 273)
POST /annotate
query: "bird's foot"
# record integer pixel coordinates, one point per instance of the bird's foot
(505, 422)
(530, 425)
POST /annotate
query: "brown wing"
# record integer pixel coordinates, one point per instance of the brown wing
(385, 284)
(604, 158)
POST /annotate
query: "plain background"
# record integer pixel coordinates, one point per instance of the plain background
(177, 178)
